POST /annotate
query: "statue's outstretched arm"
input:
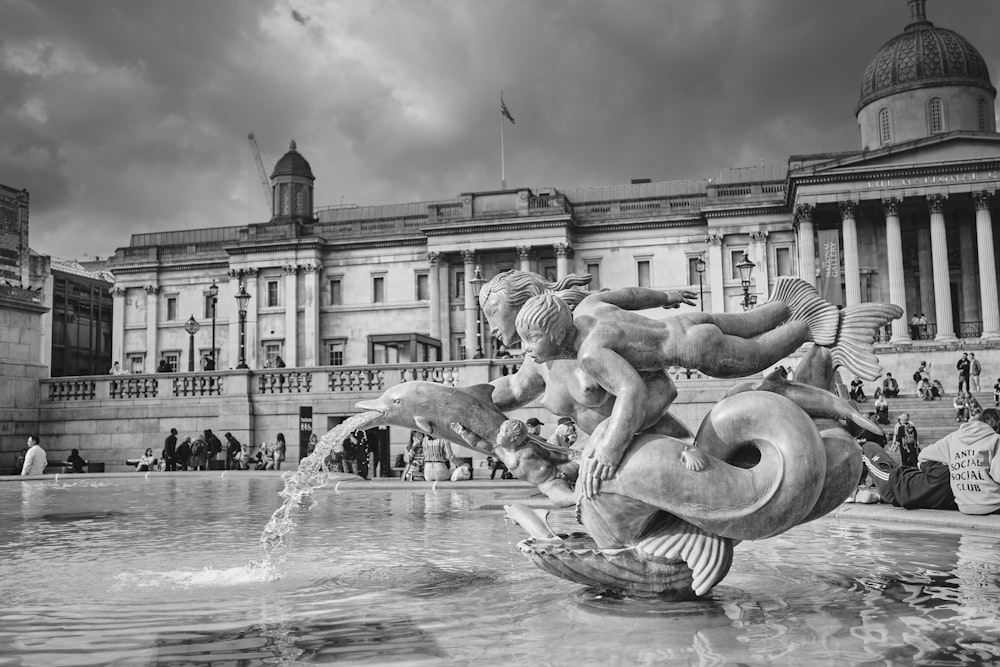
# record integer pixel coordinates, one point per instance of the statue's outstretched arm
(604, 451)
(524, 386)
(641, 298)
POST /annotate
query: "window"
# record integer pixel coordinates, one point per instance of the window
(336, 294)
(884, 127)
(423, 287)
(695, 278)
(272, 294)
(272, 351)
(135, 363)
(335, 352)
(458, 287)
(735, 257)
(783, 261)
(172, 359)
(642, 270)
(935, 113)
(458, 347)
(982, 115)
(208, 307)
(171, 308)
(378, 289)
(594, 269)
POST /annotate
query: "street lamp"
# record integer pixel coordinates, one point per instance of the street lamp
(191, 327)
(213, 292)
(242, 300)
(477, 283)
(746, 267)
(699, 266)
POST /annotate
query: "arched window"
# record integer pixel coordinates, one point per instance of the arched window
(935, 115)
(884, 127)
(982, 115)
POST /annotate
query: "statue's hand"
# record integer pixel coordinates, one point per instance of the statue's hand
(676, 297)
(468, 436)
(592, 472)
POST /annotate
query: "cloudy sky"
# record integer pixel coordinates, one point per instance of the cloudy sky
(126, 116)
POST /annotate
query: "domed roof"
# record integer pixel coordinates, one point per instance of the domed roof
(292, 164)
(922, 56)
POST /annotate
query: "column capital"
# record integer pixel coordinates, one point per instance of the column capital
(434, 258)
(312, 267)
(714, 240)
(848, 209)
(890, 206)
(804, 212)
(290, 269)
(117, 290)
(759, 236)
(151, 289)
(936, 202)
(523, 252)
(469, 256)
(563, 249)
(982, 199)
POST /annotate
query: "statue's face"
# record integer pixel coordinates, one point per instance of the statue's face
(501, 317)
(539, 344)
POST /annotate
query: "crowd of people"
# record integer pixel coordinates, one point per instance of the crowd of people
(199, 452)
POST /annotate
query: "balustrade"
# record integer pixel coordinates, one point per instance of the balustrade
(133, 387)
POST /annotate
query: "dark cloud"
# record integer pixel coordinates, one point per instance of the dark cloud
(123, 116)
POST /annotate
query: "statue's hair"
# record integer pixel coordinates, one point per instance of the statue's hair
(548, 312)
(991, 417)
(512, 433)
(516, 287)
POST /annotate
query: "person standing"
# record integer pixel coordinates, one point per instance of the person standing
(973, 454)
(915, 327)
(183, 453)
(233, 448)
(905, 439)
(279, 451)
(213, 446)
(170, 451)
(964, 370)
(199, 454)
(35, 460)
(975, 368)
(116, 369)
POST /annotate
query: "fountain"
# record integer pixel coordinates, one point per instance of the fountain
(662, 511)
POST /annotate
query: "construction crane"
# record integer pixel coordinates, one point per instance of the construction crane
(264, 180)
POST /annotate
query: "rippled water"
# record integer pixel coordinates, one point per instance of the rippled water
(154, 571)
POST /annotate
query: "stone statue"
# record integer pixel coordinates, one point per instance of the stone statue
(662, 511)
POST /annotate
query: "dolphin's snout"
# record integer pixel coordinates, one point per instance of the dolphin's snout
(370, 406)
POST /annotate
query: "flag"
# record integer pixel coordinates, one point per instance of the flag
(504, 111)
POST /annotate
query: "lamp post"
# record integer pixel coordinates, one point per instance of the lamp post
(699, 266)
(191, 327)
(477, 283)
(213, 292)
(242, 300)
(746, 267)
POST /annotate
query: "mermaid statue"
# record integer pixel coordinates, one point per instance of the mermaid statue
(662, 509)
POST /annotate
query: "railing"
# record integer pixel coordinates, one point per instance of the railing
(970, 329)
(292, 381)
(197, 385)
(72, 390)
(134, 387)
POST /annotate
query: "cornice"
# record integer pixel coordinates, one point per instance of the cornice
(626, 226)
(500, 225)
(737, 211)
(377, 243)
(163, 268)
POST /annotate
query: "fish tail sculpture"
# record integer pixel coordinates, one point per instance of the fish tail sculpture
(848, 332)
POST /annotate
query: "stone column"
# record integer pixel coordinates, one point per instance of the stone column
(563, 252)
(311, 355)
(942, 276)
(434, 285)
(524, 257)
(152, 321)
(715, 278)
(469, 260)
(806, 243)
(758, 252)
(852, 265)
(444, 310)
(228, 305)
(252, 324)
(987, 266)
(291, 356)
(118, 324)
(970, 284)
(897, 283)
(925, 278)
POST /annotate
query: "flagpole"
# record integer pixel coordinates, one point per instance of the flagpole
(503, 175)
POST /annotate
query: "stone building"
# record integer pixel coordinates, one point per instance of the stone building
(908, 218)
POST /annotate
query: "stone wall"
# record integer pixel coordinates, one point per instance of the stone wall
(20, 371)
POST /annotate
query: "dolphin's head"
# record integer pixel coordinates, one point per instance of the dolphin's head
(408, 405)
